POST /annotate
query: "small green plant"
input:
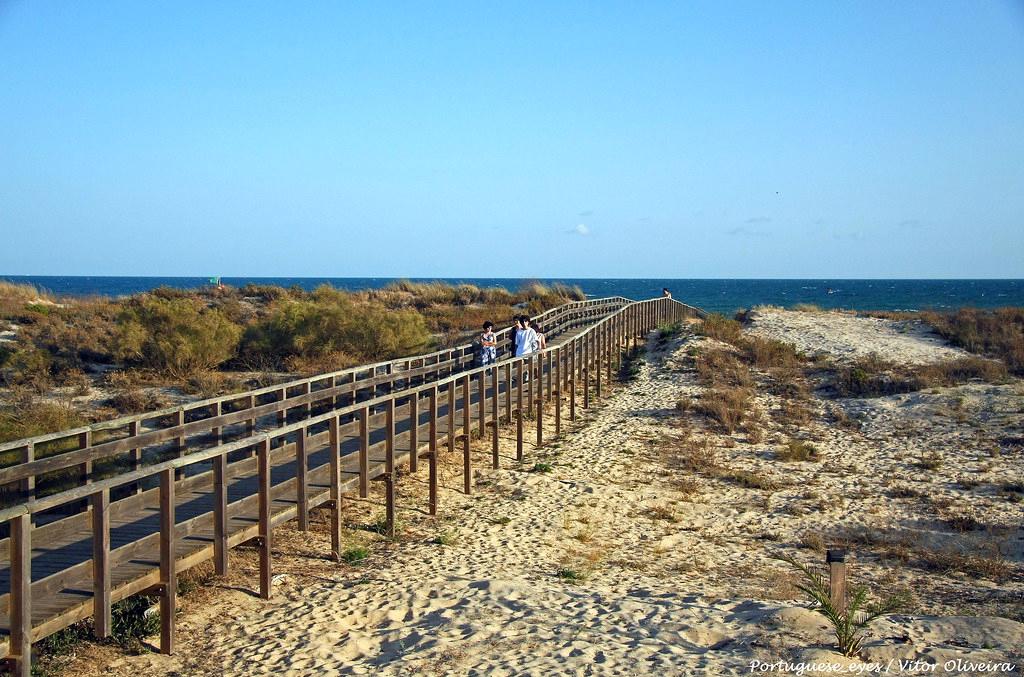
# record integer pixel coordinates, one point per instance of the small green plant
(849, 623)
(667, 331)
(542, 467)
(355, 554)
(570, 575)
(446, 537)
(501, 521)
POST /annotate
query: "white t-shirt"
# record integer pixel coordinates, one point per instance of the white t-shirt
(526, 341)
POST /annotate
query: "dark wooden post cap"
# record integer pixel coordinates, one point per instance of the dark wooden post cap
(835, 556)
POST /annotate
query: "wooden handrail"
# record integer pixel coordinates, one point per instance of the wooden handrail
(69, 459)
(122, 421)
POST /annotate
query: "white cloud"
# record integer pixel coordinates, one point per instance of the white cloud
(581, 229)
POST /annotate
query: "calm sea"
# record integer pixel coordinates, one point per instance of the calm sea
(715, 295)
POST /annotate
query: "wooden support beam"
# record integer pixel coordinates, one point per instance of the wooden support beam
(364, 452)
(508, 392)
(495, 422)
(572, 381)
(467, 408)
(28, 485)
(21, 595)
(263, 464)
(389, 466)
(452, 387)
(557, 392)
(540, 423)
(414, 431)
(481, 403)
(168, 568)
(432, 449)
(334, 477)
(585, 376)
(301, 482)
(220, 515)
(100, 502)
(519, 410)
(530, 380)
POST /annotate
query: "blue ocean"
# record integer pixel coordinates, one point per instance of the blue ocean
(720, 295)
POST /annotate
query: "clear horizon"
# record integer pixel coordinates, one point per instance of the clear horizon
(853, 140)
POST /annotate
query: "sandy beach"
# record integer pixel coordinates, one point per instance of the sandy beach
(642, 541)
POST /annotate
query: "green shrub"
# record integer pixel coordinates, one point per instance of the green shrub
(177, 336)
(329, 323)
(27, 366)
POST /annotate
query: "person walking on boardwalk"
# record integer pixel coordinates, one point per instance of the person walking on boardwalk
(526, 338)
(513, 336)
(488, 345)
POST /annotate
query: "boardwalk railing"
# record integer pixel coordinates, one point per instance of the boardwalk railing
(158, 493)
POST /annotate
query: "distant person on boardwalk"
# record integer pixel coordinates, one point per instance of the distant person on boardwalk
(666, 293)
(542, 342)
(488, 345)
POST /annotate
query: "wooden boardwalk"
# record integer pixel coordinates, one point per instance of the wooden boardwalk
(158, 493)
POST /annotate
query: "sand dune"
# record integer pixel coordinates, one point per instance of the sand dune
(672, 578)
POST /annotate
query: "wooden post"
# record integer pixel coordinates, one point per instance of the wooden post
(494, 416)
(216, 433)
(572, 381)
(557, 392)
(481, 410)
(334, 477)
(364, 452)
(836, 560)
(540, 423)
(21, 594)
(179, 442)
(519, 410)
(508, 392)
(263, 461)
(432, 449)
(220, 514)
(28, 485)
(389, 466)
(414, 431)
(250, 424)
(168, 569)
(586, 371)
(467, 466)
(301, 501)
(452, 385)
(598, 350)
(84, 442)
(282, 414)
(608, 337)
(467, 411)
(548, 376)
(530, 383)
(101, 563)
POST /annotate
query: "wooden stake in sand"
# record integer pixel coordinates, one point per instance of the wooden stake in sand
(836, 560)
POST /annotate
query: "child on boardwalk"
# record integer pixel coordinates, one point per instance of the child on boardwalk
(488, 345)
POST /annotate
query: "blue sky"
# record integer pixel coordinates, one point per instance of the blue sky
(592, 139)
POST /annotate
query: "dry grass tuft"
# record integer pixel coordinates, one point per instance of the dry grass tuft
(726, 406)
(798, 450)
